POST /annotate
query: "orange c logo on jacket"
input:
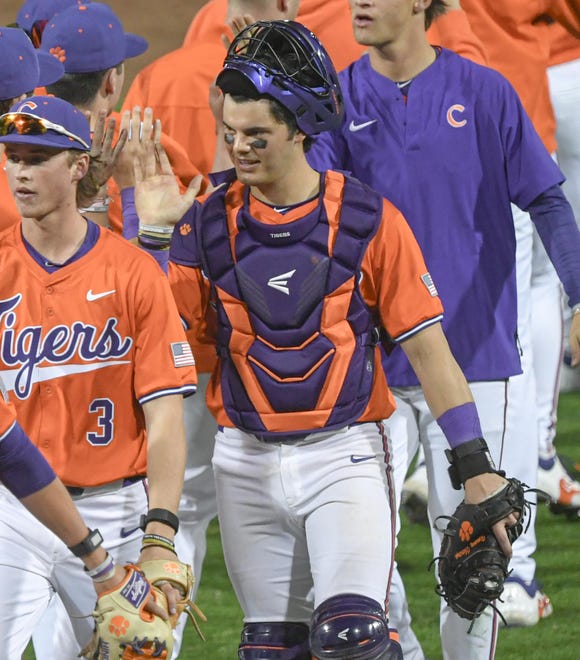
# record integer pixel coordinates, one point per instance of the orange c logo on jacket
(457, 108)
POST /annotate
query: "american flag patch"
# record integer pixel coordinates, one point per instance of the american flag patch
(428, 282)
(182, 355)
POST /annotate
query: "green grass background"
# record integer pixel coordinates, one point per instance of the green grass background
(558, 560)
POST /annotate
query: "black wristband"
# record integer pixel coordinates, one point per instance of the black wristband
(91, 542)
(469, 460)
(162, 516)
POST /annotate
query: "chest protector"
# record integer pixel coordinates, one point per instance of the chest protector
(295, 337)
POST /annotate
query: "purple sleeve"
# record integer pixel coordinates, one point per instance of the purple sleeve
(554, 219)
(130, 217)
(530, 168)
(460, 424)
(328, 152)
(23, 469)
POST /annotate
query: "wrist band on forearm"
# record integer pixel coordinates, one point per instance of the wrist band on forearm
(103, 571)
(468, 460)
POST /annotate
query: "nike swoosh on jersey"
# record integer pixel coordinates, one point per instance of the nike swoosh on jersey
(353, 128)
(359, 459)
(96, 296)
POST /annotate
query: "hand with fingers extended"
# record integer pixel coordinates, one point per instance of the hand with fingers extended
(158, 199)
(141, 130)
(103, 156)
(236, 25)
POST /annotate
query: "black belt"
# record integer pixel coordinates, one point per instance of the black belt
(77, 491)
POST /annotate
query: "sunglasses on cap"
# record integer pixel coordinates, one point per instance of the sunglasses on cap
(24, 123)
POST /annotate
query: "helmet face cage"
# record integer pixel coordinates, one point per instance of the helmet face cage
(284, 60)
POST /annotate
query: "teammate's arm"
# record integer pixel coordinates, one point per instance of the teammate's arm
(27, 474)
(446, 389)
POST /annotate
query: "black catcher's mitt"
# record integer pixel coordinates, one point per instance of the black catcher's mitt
(472, 567)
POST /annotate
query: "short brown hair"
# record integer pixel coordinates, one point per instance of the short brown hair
(435, 9)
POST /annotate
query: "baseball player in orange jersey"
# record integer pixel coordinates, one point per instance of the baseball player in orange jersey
(96, 363)
(293, 261)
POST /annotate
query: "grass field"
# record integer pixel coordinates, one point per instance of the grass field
(558, 559)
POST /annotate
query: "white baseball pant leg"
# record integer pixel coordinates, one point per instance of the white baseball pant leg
(197, 506)
(404, 437)
(490, 399)
(565, 96)
(56, 635)
(298, 515)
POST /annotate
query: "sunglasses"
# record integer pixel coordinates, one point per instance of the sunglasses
(24, 123)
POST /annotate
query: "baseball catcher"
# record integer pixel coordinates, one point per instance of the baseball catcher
(472, 566)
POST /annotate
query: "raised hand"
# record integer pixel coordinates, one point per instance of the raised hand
(158, 199)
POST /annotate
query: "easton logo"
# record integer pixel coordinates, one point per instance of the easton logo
(62, 347)
(280, 282)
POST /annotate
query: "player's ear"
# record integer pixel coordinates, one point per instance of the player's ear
(419, 6)
(79, 166)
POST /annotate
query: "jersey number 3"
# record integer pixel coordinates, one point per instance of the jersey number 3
(105, 409)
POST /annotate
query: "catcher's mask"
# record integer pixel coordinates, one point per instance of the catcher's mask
(285, 61)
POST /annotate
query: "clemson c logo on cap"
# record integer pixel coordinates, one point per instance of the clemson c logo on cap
(30, 105)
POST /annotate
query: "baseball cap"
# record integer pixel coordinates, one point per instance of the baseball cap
(46, 121)
(23, 67)
(32, 11)
(35, 14)
(90, 37)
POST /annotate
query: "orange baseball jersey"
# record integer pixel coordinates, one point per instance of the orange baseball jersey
(512, 37)
(564, 47)
(83, 346)
(394, 283)
(453, 31)
(330, 20)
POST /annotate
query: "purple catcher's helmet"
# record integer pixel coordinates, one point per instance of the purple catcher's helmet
(284, 60)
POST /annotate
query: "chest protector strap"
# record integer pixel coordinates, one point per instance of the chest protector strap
(296, 339)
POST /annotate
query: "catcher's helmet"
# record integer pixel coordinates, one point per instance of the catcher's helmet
(284, 60)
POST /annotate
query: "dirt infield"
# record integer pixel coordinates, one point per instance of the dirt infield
(162, 22)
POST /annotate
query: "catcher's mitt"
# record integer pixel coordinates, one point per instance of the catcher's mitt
(123, 629)
(180, 576)
(471, 565)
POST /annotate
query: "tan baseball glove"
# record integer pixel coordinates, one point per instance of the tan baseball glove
(124, 630)
(180, 576)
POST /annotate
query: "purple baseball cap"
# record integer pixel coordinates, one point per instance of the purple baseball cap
(23, 67)
(88, 38)
(42, 10)
(65, 126)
